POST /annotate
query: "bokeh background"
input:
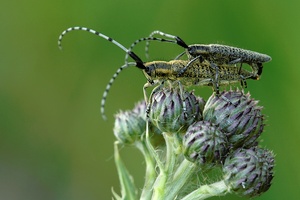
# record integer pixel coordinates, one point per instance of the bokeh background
(53, 141)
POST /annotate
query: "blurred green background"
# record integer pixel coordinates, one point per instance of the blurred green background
(53, 141)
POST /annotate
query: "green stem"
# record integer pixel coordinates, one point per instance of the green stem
(152, 150)
(170, 153)
(159, 186)
(206, 191)
(180, 178)
(128, 188)
(150, 173)
(160, 183)
(169, 182)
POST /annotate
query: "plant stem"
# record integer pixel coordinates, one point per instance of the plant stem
(180, 178)
(206, 191)
(128, 189)
(150, 173)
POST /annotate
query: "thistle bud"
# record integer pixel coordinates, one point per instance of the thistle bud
(205, 144)
(156, 134)
(140, 109)
(249, 172)
(236, 114)
(173, 110)
(129, 127)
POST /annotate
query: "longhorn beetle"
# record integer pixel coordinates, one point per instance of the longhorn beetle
(157, 72)
(216, 53)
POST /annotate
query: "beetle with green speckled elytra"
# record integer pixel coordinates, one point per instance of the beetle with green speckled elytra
(214, 53)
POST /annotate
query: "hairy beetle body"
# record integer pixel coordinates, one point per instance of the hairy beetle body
(223, 54)
(186, 72)
(215, 53)
(199, 73)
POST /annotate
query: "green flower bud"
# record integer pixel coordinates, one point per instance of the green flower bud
(249, 172)
(236, 114)
(140, 109)
(129, 127)
(173, 110)
(156, 134)
(205, 144)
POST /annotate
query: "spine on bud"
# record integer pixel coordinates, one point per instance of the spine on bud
(249, 172)
(129, 127)
(236, 114)
(173, 110)
(205, 145)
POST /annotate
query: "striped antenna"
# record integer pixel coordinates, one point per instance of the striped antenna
(138, 62)
(108, 86)
(177, 40)
(146, 39)
(79, 28)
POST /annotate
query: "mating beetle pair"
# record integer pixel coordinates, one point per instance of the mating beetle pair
(210, 65)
